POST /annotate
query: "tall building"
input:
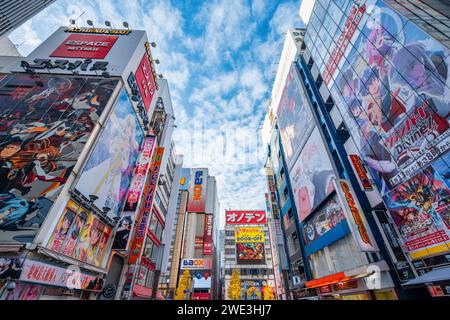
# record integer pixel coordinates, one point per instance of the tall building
(13, 13)
(86, 136)
(248, 249)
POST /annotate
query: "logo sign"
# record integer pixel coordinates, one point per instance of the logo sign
(355, 217)
(145, 81)
(144, 214)
(119, 32)
(363, 178)
(208, 235)
(200, 264)
(197, 191)
(85, 46)
(245, 217)
(109, 291)
(78, 65)
(249, 235)
(140, 174)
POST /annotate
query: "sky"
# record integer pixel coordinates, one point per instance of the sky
(220, 59)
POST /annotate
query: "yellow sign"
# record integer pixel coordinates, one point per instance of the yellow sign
(248, 234)
(118, 32)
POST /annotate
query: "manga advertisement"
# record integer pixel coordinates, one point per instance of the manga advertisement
(250, 253)
(45, 122)
(328, 216)
(311, 176)
(295, 119)
(248, 234)
(123, 230)
(251, 290)
(393, 93)
(79, 234)
(24, 291)
(420, 209)
(108, 172)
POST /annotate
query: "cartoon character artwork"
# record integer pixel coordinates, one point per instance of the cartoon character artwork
(42, 133)
(108, 172)
(250, 252)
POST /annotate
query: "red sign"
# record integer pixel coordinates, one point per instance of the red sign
(324, 290)
(201, 296)
(245, 217)
(356, 161)
(208, 235)
(144, 213)
(85, 46)
(145, 81)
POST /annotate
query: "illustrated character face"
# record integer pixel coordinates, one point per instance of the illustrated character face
(9, 150)
(304, 202)
(418, 73)
(378, 38)
(65, 224)
(43, 159)
(95, 235)
(373, 86)
(422, 198)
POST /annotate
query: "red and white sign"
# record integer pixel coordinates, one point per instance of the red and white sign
(38, 272)
(85, 46)
(145, 81)
(208, 235)
(245, 217)
(359, 169)
(197, 191)
(201, 296)
(140, 173)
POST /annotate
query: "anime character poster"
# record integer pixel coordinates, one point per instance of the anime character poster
(311, 176)
(328, 216)
(250, 253)
(123, 231)
(24, 291)
(45, 122)
(10, 267)
(393, 92)
(417, 207)
(295, 119)
(251, 290)
(108, 171)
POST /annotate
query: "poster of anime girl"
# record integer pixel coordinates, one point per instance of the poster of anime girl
(311, 176)
(108, 171)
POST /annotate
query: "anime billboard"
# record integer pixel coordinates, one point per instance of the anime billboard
(108, 172)
(393, 93)
(45, 122)
(251, 290)
(250, 253)
(420, 208)
(81, 235)
(295, 119)
(311, 176)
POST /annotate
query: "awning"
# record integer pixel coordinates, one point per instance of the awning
(433, 277)
(10, 248)
(337, 278)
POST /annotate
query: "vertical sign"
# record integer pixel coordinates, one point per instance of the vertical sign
(197, 191)
(145, 81)
(363, 178)
(355, 217)
(208, 236)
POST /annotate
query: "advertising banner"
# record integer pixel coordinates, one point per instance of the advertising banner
(146, 207)
(47, 274)
(202, 279)
(273, 196)
(311, 176)
(328, 216)
(145, 81)
(107, 173)
(197, 264)
(295, 119)
(420, 209)
(81, 235)
(24, 291)
(208, 235)
(248, 234)
(197, 190)
(250, 253)
(44, 125)
(245, 217)
(10, 267)
(355, 217)
(251, 290)
(355, 160)
(85, 46)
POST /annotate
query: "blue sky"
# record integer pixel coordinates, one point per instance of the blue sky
(219, 58)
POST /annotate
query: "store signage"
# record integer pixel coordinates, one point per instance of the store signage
(201, 264)
(353, 284)
(355, 217)
(197, 191)
(145, 211)
(249, 235)
(43, 273)
(78, 65)
(85, 46)
(208, 235)
(118, 32)
(351, 25)
(140, 174)
(324, 290)
(361, 172)
(245, 217)
(137, 97)
(145, 81)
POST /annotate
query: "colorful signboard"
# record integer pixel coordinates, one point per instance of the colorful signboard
(311, 176)
(197, 190)
(44, 125)
(295, 119)
(200, 264)
(85, 46)
(251, 290)
(250, 253)
(208, 235)
(146, 207)
(248, 234)
(10, 267)
(107, 174)
(118, 32)
(355, 217)
(81, 235)
(245, 217)
(360, 171)
(145, 81)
